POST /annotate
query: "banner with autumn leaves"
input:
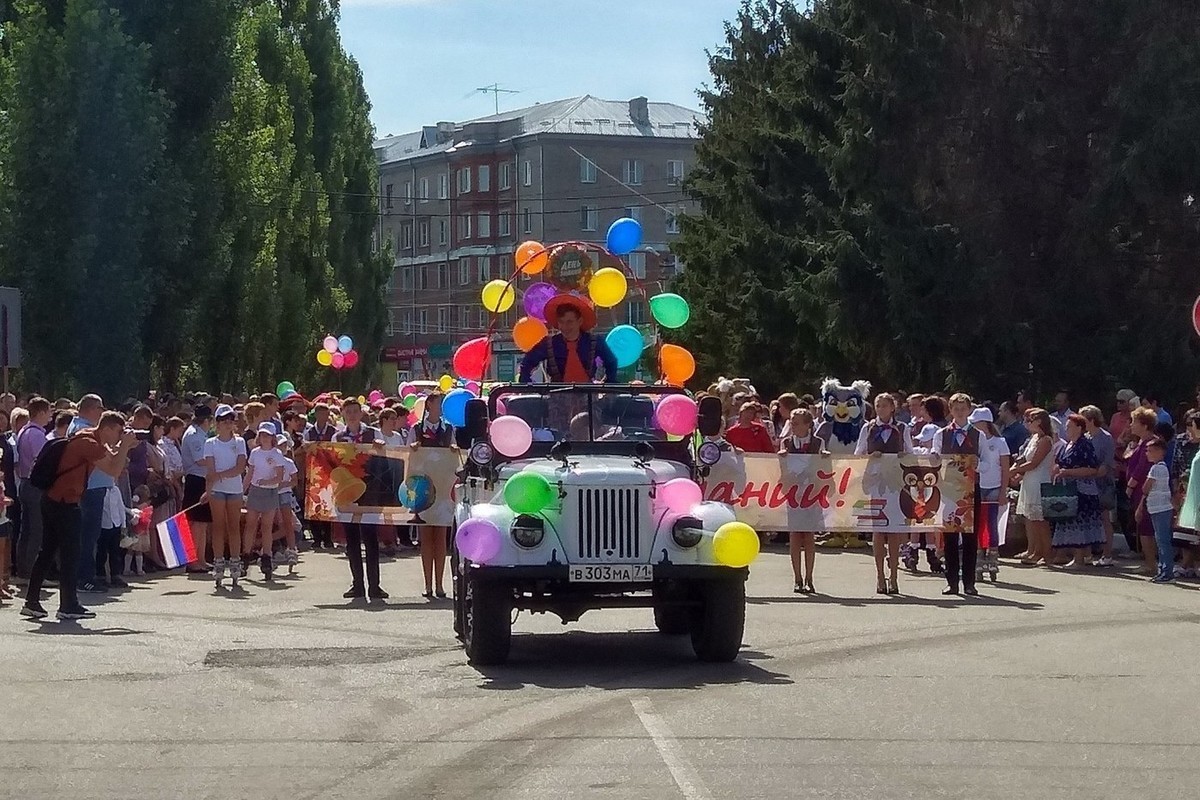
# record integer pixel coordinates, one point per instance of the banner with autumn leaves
(376, 485)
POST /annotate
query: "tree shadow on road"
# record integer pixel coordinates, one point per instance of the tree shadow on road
(636, 660)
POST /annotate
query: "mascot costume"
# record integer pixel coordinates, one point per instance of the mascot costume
(843, 412)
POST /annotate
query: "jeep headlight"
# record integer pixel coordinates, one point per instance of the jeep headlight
(687, 532)
(528, 531)
(709, 453)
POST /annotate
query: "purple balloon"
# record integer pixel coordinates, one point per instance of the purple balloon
(479, 540)
(536, 297)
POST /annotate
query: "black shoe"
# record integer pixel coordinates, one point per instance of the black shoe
(118, 583)
(441, 593)
(799, 589)
(33, 611)
(267, 564)
(75, 613)
(378, 594)
(972, 591)
(354, 592)
(950, 590)
(91, 587)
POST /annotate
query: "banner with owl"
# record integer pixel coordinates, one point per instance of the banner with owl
(848, 494)
(380, 485)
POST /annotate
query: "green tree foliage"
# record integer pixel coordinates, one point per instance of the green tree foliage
(187, 192)
(950, 193)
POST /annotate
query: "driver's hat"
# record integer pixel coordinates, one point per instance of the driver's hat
(558, 303)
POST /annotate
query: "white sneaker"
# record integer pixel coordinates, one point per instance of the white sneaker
(1103, 561)
(218, 570)
(292, 557)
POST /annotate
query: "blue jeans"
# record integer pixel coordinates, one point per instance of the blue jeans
(91, 510)
(1162, 541)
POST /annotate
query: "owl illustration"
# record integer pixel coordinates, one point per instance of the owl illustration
(920, 498)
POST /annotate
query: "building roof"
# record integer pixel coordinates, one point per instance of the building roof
(584, 115)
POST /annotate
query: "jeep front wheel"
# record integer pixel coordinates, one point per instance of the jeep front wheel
(670, 618)
(487, 621)
(719, 622)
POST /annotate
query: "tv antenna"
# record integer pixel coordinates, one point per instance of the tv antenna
(495, 91)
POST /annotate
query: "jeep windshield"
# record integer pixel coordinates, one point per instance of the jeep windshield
(599, 418)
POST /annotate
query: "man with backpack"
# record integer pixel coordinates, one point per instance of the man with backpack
(61, 471)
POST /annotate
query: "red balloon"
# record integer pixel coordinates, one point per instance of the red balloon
(471, 359)
(1196, 316)
(351, 360)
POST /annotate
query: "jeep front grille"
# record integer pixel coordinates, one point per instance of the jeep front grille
(610, 523)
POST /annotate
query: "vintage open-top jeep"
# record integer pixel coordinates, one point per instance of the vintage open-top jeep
(577, 522)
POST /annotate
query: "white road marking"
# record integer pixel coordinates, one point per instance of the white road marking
(685, 776)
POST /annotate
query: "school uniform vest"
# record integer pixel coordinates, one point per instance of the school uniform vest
(438, 437)
(950, 445)
(894, 443)
(814, 445)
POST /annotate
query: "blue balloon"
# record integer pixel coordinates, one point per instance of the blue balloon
(345, 344)
(624, 236)
(454, 407)
(626, 343)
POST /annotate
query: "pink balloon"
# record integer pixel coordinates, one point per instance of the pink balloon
(679, 495)
(677, 415)
(478, 540)
(413, 419)
(406, 389)
(511, 436)
(501, 407)
(375, 395)
(330, 344)
(473, 387)
(339, 361)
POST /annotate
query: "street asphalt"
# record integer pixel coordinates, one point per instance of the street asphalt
(1050, 685)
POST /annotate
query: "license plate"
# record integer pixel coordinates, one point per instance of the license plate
(610, 573)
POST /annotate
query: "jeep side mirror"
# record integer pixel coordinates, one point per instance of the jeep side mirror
(712, 420)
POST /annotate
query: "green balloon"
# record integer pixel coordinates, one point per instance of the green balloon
(283, 388)
(409, 401)
(670, 310)
(528, 493)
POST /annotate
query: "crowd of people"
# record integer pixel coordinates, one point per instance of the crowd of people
(1123, 473)
(85, 486)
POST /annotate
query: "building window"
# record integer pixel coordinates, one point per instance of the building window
(631, 172)
(484, 224)
(374, 241)
(423, 233)
(406, 236)
(406, 278)
(527, 223)
(503, 225)
(443, 319)
(672, 220)
(637, 264)
(587, 170)
(422, 321)
(633, 212)
(637, 313)
(443, 186)
(485, 269)
(422, 279)
(485, 178)
(424, 190)
(387, 193)
(464, 319)
(443, 276)
(671, 266)
(674, 172)
(528, 173)
(589, 217)
(406, 322)
(464, 226)
(443, 232)
(464, 271)
(464, 180)
(505, 176)
(483, 319)
(408, 193)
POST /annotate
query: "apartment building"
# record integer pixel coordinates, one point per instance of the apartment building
(457, 199)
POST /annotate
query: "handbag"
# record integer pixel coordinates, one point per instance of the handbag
(1060, 502)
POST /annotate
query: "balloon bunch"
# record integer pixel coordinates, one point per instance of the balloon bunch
(338, 352)
(606, 288)
(456, 395)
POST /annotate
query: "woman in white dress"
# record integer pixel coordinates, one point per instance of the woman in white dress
(1033, 467)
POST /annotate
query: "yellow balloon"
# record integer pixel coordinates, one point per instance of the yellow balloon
(445, 383)
(324, 358)
(735, 544)
(362, 401)
(608, 287)
(498, 296)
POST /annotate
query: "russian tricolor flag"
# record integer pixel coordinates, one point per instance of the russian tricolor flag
(993, 523)
(175, 536)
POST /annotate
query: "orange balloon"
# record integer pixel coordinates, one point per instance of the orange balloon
(528, 332)
(532, 257)
(678, 365)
